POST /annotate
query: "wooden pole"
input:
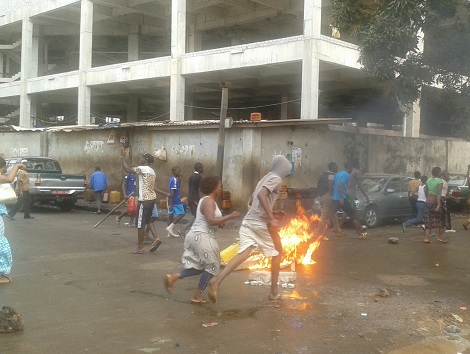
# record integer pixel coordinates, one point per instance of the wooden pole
(112, 211)
(219, 167)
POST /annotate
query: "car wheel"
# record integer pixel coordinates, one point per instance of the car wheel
(66, 206)
(371, 217)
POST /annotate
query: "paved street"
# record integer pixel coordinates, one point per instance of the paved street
(80, 289)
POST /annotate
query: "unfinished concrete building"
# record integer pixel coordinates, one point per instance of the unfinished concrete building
(67, 62)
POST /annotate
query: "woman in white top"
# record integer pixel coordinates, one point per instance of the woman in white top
(201, 251)
(420, 205)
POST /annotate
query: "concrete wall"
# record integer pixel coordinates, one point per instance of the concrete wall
(248, 152)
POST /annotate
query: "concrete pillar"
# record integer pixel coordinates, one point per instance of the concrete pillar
(134, 44)
(311, 62)
(133, 109)
(26, 68)
(86, 40)
(412, 121)
(2, 56)
(34, 64)
(178, 45)
(194, 38)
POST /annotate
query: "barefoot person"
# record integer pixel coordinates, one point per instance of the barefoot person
(5, 250)
(201, 251)
(260, 228)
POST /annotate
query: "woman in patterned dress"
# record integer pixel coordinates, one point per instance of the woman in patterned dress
(5, 250)
(201, 251)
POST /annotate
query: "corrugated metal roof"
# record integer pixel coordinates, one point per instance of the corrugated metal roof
(182, 124)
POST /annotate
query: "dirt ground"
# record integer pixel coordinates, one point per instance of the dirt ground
(80, 289)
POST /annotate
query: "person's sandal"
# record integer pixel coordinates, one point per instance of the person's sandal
(156, 244)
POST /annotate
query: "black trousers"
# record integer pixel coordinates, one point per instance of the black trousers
(23, 201)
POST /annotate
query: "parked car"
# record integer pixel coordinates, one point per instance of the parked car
(458, 188)
(48, 185)
(388, 199)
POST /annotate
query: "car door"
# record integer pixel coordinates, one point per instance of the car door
(394, 199)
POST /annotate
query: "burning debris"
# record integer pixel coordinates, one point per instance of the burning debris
(296, 239)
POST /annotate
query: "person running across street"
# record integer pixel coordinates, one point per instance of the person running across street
(341, 201)
(260, 228)
(201, 250)
(175, 206)
(413, 192)
(193, 195)
(328, 212)
(420, 205)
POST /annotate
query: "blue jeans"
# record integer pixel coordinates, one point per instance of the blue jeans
(419, 218)
(203, 281)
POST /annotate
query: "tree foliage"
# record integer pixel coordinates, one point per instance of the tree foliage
(388, 32)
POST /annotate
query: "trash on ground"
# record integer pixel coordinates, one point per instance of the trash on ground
(383, 292)
(457, 317)
(393, 240)
(149, 350)
(463, 308)
(452, 329)
(210, 324)
(363, 314)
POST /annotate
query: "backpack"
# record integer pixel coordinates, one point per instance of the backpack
(322, 183)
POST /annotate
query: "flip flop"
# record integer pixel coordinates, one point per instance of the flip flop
(155, 245)
(464, 226)
(196, 302)
(428, 241)
(168, 286)
(441, 241)
(138, 252)
(4, 279)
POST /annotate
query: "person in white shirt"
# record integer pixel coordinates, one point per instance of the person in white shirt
(420, 204)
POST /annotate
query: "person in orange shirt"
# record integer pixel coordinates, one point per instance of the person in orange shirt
(413, 192)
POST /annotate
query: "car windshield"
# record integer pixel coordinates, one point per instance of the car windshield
(373, 184)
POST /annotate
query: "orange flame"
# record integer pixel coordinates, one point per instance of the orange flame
(295, 237)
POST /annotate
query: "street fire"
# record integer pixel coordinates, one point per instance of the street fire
(296, 239)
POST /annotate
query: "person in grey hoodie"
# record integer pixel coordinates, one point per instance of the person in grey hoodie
(260, 228)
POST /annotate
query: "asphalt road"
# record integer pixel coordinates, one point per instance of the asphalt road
(81, 290)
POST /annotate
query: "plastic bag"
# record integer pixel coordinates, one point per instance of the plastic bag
(7, 194)
(160, 154)
(132, 206)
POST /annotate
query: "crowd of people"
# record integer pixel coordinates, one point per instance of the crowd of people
(429, 199)
(260, 226)
(337, 191)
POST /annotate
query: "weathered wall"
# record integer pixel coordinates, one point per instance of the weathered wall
(248, 152)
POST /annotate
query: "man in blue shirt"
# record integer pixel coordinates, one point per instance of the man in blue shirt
(340, 184)
(99, 183)
(175, 206)
(129, 186)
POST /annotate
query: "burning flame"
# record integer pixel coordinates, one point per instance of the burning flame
(295, 239)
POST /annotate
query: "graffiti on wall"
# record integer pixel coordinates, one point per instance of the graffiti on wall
(14, 152)
(187, 150)
(93, 147)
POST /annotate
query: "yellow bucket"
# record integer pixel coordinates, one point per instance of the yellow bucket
(114, 197)
(227, 254)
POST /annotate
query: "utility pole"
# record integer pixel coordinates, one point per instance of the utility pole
(219, 167)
